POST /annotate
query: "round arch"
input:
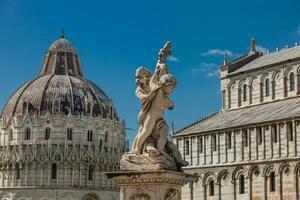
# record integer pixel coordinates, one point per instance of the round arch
(221, 175)
(207, 177)
(268, 169)
(237, 172)
(253, 169)
(90, 196)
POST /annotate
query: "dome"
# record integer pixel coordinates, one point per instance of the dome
(60, 88)
(62, 45)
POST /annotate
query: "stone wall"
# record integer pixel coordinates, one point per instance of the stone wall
(260, 86)
(257, 182)
(60, 152)
(58, 194)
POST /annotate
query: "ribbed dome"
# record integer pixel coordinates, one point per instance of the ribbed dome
(62, 45)
(60, 88)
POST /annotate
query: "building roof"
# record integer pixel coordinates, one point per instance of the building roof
(269, 59)
(283, 109)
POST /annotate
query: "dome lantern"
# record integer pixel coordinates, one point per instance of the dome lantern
(61, 59)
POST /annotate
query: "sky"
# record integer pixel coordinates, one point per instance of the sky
(114, 38)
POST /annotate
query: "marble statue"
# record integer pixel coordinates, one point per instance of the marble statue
(151, 148)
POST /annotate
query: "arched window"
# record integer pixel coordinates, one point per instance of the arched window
(69, 134)
(244, 92)
(214, 142)
(272, 182)
(267, 88)
(273, 89)
(100, 143)
(53, 171)
(56, 107)
(90, 136)
(211, 188)
(25, 108)
(187, 147)
(27, 134)
(10, 134)
(289, 131)
(259, 135)
(47, 133)
(292, 81)
(242, 184)
(274, 133)
(106, 137)
(18, 174)
(88, 108)
(244, 137)
(91, 174)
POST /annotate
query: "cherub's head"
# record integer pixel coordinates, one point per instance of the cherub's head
(168, 83)
(142, 76)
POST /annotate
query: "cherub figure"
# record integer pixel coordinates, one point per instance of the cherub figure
(157, 142)
(153, 92)
(152, 113)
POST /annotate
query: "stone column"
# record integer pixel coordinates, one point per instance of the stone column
(191, 150)
(204, 148)
(296, 182)
(264, 140)
(153, 185)
(261, 94)
(298, 83)
(284, 87)
(279, 138)
(249, 143)
(234, 146)
(295, 136)
(198, 151)
(250, 187)
(218, 147)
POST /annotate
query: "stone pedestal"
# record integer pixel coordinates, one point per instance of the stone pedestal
(150, 185)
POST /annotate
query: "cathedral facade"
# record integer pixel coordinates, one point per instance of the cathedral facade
(59, 133)
(250, 149)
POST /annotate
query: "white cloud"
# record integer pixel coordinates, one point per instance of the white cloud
(217, 52)
(213, 74)
(262, 49)
(173, 59)
(207, 69)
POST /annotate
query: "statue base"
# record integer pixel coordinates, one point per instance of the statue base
(133, 162)
(150, 185)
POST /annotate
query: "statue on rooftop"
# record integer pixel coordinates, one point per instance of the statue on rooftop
(151, 148)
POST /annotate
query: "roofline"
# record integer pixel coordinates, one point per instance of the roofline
(263, 67)
(177, 134)
(236, 127)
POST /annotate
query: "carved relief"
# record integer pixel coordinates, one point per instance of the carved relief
(172, 194)
(140, 196)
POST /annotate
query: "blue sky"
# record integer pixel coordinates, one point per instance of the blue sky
(115, 37)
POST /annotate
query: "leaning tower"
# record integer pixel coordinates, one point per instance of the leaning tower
(59, 133)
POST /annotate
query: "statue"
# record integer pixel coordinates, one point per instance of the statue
(151, 148)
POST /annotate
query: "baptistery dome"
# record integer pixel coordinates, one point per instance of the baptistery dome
(60, 88)
(59, 133)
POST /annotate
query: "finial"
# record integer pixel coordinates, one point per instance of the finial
(253, 45)
(225, 58)
(173, 128)
(62, 33)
